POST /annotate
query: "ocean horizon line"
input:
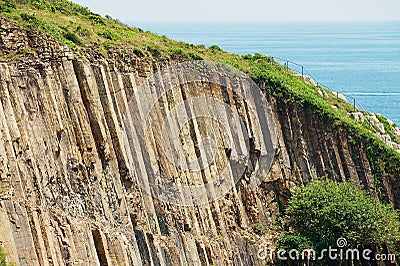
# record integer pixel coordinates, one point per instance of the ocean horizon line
(260, 22)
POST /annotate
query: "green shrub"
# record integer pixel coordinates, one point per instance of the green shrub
(215, 48)
(77, 9)
(138, 52)
(62, 8)
(176, 54)
(84, 32)
(258, 56)
(324, 211)
(181, 55)
(154, 51)
(97, 20)
(72, 37)
(109, 35)
(247, 56)
(194, 56)
(30, 19)
(42, 5)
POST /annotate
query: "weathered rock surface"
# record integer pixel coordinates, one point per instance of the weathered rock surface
(68, 197)
(379, 129)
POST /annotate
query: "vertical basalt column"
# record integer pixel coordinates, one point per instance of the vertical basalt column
(92, 103)
(101, 248)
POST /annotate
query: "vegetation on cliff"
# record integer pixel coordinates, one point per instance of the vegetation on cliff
(3, 257)
(324, 211)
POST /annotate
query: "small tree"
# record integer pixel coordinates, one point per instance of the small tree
(324, 211)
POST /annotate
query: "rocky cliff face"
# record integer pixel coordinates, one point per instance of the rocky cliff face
(68, 196)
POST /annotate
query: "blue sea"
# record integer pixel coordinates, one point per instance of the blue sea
(358, 59)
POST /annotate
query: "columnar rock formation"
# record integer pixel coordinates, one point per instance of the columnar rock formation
(68, 196)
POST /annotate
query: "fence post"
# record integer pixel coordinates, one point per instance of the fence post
(318, 85)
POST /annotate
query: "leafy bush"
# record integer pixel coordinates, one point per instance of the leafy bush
(138, 52)
(293, 240)
(215, 48)
(176, 54)
(30, 19)
(42, 5)
(247, 56)
(97, 20)
(7, 7)
(84, 32)
(181, 55)
(324, 211)
(154, 51)
(77, 9)
(109, 35)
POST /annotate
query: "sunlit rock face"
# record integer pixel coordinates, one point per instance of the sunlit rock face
(87, 154)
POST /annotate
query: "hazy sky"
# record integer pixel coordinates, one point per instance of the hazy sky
(246, 10)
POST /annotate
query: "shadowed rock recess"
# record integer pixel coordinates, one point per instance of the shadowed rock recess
(69, 198)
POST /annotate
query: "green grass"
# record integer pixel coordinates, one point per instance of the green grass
(79, 28)
(3, 257)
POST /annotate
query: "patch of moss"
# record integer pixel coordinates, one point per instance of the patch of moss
(259, 229)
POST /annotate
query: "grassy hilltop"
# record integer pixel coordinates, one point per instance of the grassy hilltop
(80, 29)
